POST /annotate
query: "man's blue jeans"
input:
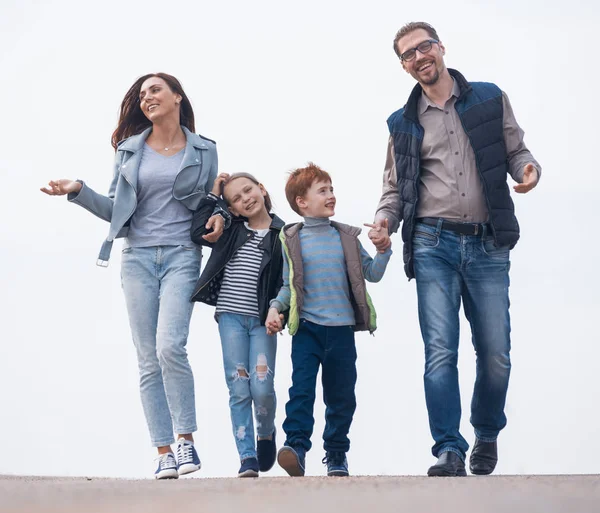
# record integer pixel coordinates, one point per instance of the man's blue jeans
(450, 267)
(332, 347)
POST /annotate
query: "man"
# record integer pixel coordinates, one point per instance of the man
(450, 150)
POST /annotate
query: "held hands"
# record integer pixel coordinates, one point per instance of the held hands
(219, 182)
(216, 223)
(61, 187)
(274, 322)
(530, 179)
(379, 235)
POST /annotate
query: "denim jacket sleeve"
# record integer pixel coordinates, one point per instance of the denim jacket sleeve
(98, 204)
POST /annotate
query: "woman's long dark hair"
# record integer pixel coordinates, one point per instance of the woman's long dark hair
(131, 118)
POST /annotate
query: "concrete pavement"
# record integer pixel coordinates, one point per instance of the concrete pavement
(370, 494)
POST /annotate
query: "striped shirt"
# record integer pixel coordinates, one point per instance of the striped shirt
(238, 292)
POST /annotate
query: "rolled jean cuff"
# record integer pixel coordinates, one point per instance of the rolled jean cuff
(247, 454)
(451, 449)
(186, 431)
(164, 442)
(486, 439)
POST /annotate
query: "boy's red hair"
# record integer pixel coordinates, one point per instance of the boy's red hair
(300, 180)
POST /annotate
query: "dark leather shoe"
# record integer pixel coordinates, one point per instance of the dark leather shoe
(448, 464)
(484, 457)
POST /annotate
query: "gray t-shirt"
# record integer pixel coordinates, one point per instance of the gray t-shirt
(159, 219)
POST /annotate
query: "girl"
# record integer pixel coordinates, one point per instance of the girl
(162, 170)
(243, 274)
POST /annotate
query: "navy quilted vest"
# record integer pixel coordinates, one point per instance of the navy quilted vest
(480, 109)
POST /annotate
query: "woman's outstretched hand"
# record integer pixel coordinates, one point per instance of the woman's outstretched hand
(61, 187)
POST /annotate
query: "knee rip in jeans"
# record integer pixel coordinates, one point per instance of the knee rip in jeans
(261, 411)
(240, 372)
(262, 367)
(241, 433)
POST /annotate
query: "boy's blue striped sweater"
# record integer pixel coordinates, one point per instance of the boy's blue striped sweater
(326, 290)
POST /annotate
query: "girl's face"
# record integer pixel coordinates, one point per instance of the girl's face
(244, 197)
(157, 101)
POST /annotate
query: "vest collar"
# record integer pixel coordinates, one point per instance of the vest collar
(411, 109)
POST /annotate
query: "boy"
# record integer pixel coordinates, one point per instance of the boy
(324, 272)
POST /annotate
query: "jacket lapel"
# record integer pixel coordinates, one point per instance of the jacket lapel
(131, 156)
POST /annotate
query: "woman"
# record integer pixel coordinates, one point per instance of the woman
(162, 171)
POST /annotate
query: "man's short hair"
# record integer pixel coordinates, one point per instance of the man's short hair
(300, 180)
(410, 27)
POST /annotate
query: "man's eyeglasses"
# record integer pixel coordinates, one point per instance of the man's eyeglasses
(423, 47)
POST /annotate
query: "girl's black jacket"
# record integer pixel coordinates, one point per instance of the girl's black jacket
(270, 278)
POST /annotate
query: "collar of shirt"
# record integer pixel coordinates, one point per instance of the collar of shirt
(425, 102)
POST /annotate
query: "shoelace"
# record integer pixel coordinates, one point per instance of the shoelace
(184, 452)
(335, 458)
(166, 460)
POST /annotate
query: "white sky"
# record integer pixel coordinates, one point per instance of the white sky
(278, 84)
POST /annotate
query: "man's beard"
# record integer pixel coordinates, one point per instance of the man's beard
(432, 80)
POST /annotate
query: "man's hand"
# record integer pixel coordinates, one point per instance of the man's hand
(379, 235)
(274, 322)
(530, 179)
(218, 184)
(217, 223)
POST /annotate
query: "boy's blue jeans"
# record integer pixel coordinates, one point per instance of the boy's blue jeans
(249, 364)
(334, 349)
(450, 267)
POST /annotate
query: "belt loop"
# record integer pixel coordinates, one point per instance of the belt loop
(484, 229)
(438, 228)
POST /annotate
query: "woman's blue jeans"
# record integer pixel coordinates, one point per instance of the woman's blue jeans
(158, 282)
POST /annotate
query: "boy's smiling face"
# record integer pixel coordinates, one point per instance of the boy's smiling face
(319, 200)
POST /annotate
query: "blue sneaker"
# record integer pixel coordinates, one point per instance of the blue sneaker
(266, 452)
(187, 457)
(337, 464)
(167, 467)
(249, 468)
(291, 459)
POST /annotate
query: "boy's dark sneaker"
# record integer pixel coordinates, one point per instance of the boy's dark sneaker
(291, 459)
(337, 464)
(266, 452)
(249, 468)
